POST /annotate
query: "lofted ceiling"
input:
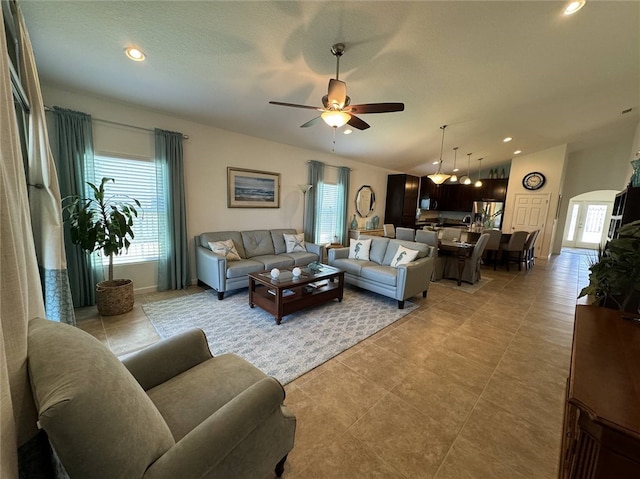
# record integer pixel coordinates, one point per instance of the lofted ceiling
(487, 69)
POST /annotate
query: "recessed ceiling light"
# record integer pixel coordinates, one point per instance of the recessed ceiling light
(507, 139)
(435, 162)
(517, 152)
(134, 54)
(574, 6)
(348, 131)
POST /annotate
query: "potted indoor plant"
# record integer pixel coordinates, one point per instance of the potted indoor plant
(104, 223)
(614, 280)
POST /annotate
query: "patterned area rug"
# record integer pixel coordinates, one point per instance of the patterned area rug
(303, 341)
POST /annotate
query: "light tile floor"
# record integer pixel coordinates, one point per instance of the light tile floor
(469, 385)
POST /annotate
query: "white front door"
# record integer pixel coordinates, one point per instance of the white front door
(586, 223)
(530, 212)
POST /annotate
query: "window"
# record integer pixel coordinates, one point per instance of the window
(134, 178)
(328, 213)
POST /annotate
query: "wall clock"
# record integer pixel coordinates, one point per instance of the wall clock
(533, 180)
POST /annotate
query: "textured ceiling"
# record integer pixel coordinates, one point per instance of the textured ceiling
(486, 69)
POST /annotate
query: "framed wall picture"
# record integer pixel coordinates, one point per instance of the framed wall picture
(252, 189)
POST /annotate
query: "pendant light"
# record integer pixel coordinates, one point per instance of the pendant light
(440, 178)
(454, 177)
(478, 183)
(467, 179)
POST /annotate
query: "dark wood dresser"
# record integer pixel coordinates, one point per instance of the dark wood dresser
(601, 435)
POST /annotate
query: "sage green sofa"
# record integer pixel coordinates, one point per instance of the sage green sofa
(169, 411)
(259, 250)
(377, 274)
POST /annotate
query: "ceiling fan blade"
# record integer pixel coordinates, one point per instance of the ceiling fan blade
(311, 122)
(376, 108)
(337, 95)
(357, 123)
(295, 105)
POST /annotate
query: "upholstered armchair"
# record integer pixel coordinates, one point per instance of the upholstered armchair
(169, 411)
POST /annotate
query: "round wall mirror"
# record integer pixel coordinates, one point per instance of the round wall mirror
(365, 201)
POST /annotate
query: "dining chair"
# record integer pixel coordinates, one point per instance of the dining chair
(471, 271)
(427, 237)
(528, 252)
(389, 231)
(513, 251)
(407, 234)
(493, 246)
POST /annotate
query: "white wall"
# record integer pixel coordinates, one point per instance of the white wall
(207, 154)
(551, 163)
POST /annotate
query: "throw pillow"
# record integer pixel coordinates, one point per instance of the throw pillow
(225, 248)
(359, 249)
(403, 256)
(295, 243)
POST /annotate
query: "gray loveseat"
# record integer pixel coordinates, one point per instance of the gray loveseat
(259, 250)
(379, 276)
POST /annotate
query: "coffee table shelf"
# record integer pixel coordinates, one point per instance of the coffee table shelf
(303, 295)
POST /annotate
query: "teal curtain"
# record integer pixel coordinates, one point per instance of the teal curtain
(314, 197)
(342, 228)
(74, 163)
(173, 263)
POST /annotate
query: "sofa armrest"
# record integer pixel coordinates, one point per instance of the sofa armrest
(198, 453)
(414, 277)
(314, 248)
(337, 253)
(211, 268)
(168, 358)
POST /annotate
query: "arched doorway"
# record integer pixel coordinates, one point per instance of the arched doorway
(588, 218)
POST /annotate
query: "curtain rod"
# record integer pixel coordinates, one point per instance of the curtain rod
(186, 137)
(332, 166)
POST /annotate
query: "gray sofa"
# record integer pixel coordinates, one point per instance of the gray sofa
(379, 276)
(259, 250)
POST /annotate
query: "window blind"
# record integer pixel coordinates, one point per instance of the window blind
(134, 179)
(328, 213)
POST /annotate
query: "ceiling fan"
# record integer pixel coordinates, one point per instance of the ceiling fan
(337, 109)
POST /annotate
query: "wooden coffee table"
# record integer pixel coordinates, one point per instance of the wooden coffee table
(288, 294)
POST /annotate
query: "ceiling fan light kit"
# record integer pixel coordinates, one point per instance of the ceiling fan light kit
(335, 118)
(337, 110)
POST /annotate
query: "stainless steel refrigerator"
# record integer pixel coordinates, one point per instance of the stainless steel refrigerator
(488, 214)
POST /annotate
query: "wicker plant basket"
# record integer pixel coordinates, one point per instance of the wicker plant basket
(114, 297)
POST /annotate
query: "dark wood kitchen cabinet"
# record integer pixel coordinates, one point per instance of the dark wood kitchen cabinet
(456, 197)
(402, 200)
(601, 433)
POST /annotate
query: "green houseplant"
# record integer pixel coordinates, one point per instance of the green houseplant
(104, 224)
(614, 280)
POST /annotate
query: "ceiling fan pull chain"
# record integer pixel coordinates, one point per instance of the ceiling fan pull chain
(333, 146)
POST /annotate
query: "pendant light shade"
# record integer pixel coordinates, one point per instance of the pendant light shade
(478, 183)
(467, 179)
(454, 177)
(440, 178)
